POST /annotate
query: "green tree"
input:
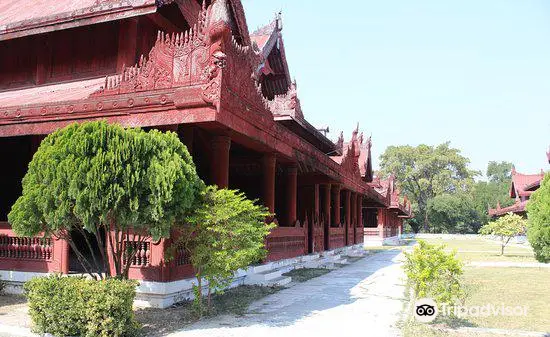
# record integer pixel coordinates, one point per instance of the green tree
(225, 233)
(538, 212)
(499, 172)
(496, 190)
(506, 228)
(425, 171)
(102, 178)
(452, 213)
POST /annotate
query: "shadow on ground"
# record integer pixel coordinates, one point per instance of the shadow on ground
(327, 294)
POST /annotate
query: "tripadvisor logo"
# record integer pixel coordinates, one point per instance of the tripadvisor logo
(425, 310)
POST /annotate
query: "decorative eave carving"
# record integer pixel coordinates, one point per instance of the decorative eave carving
(350, 159)
(287, 104)
(190, 58)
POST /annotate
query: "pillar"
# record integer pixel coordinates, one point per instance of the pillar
(336, 208)
(347, 208)
(381, 215)
(268, 183)
(327, 204)
(347, 215)
(360, 211)
(187, 135)
(219, 166)
(292, 186)
(354, 209)
(316, 201)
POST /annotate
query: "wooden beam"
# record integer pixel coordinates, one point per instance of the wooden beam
(190, 10)
(163, 23)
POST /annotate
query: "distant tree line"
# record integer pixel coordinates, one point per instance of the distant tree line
(445, 196)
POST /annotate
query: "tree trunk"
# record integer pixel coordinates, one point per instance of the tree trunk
(425, 225)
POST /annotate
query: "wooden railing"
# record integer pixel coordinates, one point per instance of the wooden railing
(25, 248)
(31, 254)
(359, 235)
(286, 242)
(372, 231)
(336, 237)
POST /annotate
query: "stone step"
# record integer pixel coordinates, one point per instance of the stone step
(279, 281)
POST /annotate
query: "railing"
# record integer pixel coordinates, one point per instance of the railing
(25, 248)
(359, 235)
(142, 258)
(336, 237)
(286, 242)
(351, 233)
(31, 254)
(372, 231)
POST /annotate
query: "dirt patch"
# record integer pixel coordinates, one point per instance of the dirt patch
(304, 274)
(158, 322)
(14, 310)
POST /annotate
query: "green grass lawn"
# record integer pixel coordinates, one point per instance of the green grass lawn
(484, 250)
(511, 287)
(497, 286)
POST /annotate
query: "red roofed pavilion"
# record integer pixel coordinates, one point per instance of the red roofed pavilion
(189, 67)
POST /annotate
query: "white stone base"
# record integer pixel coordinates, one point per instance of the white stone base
(374, 241)
(165, 294)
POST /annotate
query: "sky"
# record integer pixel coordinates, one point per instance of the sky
(475, 73)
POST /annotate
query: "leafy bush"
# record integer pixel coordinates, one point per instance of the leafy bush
(2, 286)
(538, 212)
(74, 306)
(433, 273)
(225, 233)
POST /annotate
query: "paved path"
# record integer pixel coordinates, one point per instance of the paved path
(365, 298)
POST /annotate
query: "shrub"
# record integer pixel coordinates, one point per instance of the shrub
(434, 273)
(74, 306)
(225, 233)
(538, 212)
(2, 286)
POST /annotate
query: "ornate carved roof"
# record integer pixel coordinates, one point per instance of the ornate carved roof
(523, 184)
(21, 18)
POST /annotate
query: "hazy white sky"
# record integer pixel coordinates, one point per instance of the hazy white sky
(476, 73)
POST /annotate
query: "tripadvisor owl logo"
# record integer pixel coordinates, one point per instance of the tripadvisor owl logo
(425, 310)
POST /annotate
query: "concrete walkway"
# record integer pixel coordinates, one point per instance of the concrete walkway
(365, 298)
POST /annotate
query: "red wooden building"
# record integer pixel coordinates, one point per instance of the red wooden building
(521, 188)
(192, 68)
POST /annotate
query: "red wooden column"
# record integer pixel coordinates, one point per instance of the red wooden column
(353, 223)
(360, 225)
(327, 204)
(268, 183)
(336, 208)
(187, 134)
(62, 248)
(381, 221)
(219, 167)
(360, 211)
(292, 186)
(347, 214)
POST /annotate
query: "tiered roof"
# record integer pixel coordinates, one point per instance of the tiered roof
(22, 18)
(523, 185)
(521, 188)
